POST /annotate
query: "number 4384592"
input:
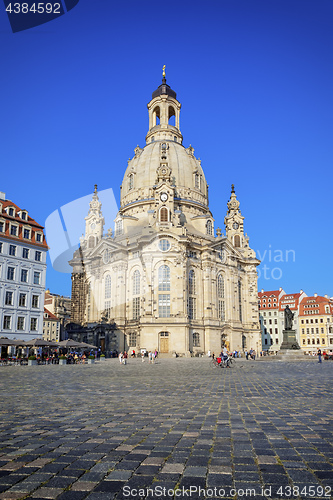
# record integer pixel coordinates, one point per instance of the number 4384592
(35, 8)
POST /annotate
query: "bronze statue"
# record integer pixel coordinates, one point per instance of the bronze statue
(288, 319)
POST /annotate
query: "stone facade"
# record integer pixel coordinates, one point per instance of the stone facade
(163, 279)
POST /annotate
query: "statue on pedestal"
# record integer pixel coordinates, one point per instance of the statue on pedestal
(288, 319)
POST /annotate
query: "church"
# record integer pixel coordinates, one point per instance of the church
(163, 278)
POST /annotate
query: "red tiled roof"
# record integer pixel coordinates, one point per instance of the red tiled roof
(29, 223)
(316, 304)
(50, 315)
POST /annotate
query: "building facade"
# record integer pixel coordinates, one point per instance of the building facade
(59, 306)
(272, 305)
(51, 326)
(316, 323)
(269, 319)
(22, 272)
(162, 279)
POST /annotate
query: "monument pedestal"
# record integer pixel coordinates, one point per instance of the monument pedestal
(290, 349)
(289, 340)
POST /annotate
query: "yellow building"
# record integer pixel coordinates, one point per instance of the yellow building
(51, 326)
(316, 323)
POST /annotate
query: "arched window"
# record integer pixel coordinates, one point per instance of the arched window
(191, 282)
(107, 287)
(192, 306)
(220, 286)
(220, 297)
(164, 278)
(156, 116)
(136, 295)
(136, 282)
(240, 299)
(197, 181)
(131, 181)
(209, 227)
(164, 215)
(91, 241)
(172, 116)
(237, 241)
(196, 339)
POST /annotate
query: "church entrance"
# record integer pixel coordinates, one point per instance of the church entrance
(164, 342)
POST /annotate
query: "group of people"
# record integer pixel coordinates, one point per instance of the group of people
(152, 355)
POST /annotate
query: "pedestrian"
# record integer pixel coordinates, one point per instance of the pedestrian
(153, 357)
(120, 357)
(150, 356)
(246, 355)
(319, 356)
(156, 353)
(125, 358)
(143, 356)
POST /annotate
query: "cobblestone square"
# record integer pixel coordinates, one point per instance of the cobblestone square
(180, 428)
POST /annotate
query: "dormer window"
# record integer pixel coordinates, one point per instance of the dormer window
(24, 216)
(209, 227)
(39, 237)
(197, 181)
(26, 233)
(2, 227)
(11, 212)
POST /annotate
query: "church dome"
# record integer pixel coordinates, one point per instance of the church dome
(186, 174)
(164, 162)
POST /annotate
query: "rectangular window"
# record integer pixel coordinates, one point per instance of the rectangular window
(10, 273)
(20, 323)
(38, 256)
(9, 299)
(25, 253)
(6, 322)
(0, 247)
(222, 311)
(132, 339)
(35, 301)
(164, 305)
(136, 307)
(11, 212)
(192, 308)
(12, 250)
(26, 234)
(13, 230)
(196, 340)
(38, 237)
(22, 300)
(36, 278)
(2, 227)
(33, 324)
(24, 275)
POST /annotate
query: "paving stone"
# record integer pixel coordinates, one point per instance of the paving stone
(273, 425)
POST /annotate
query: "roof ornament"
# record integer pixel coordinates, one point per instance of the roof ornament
(95, 191)
(163, 74)
(232, 188)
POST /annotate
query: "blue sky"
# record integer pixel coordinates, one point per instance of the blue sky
(255, 80)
